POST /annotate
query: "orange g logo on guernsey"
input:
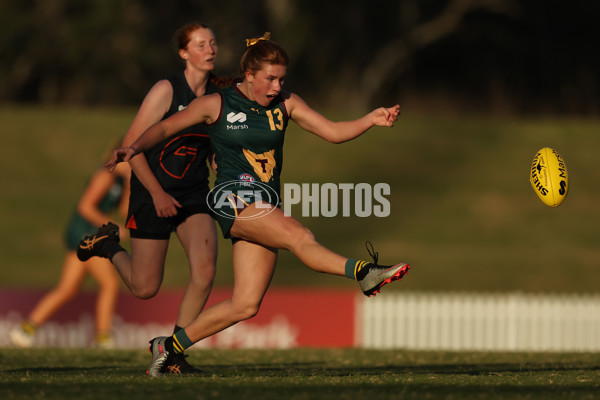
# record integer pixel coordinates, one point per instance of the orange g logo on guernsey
(177, 163)
(229, 199)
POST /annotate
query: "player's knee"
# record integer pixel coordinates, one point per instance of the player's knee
(66, 291)
(203, 276)
(201, 285)
(247, 311)
(69, 294)
(143, 292)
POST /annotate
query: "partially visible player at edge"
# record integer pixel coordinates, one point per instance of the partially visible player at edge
(256, 155)
(169, 185)
(104, 194)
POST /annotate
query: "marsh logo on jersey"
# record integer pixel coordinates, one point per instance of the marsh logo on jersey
(233, 117)
(236, 121)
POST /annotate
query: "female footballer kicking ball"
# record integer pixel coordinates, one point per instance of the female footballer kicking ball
(246, 125)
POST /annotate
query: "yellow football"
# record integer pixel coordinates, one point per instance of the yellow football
(548, 177)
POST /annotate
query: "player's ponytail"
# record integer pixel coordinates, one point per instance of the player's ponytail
(253, 41)
(262, 51)
(221, 81)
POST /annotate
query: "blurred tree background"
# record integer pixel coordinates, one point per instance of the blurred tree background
(483, 84)
(490, 56)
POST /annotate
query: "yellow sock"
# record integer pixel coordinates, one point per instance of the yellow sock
(29, 327)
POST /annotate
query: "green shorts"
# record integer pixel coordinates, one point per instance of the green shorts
(226, 204)
(76, 229)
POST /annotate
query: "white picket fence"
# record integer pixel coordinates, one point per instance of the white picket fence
(479, 321)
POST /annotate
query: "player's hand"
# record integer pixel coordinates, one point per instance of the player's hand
(165, 204)
(120, 155)
(385, 116)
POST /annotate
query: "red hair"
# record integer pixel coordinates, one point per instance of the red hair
(182, 39)
(183, 34)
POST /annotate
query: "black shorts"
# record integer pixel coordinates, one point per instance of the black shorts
(144, 223)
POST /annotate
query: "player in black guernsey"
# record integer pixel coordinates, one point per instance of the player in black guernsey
(247, 124)
(169, 186)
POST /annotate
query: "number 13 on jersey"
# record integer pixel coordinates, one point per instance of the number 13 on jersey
(275, 119)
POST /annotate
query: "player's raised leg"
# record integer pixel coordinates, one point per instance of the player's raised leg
(275, 229)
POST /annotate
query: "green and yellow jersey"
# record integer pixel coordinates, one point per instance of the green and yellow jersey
(247, 139)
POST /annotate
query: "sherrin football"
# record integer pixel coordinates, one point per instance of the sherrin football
(548, 177)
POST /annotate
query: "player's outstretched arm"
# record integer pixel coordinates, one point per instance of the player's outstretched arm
(204, 109)
(338, 132)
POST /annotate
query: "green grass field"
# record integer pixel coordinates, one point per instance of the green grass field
(300, 374)
(463, 214)
(462, 209)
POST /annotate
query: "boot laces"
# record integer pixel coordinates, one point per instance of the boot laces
(372, 252)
